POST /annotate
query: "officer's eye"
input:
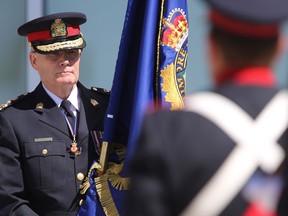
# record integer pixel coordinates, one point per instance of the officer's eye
(72, 54)
(68, 54)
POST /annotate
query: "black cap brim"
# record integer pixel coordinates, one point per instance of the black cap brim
(254, 11)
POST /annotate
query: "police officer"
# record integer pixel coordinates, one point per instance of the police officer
(215, 157)
(43, 156)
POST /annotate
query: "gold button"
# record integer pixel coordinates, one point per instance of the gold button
(81, 202)
(80, 176)
(44, 151)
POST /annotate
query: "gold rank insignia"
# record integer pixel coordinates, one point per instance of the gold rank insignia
(94, 102)
(10, 102)
(40, 105)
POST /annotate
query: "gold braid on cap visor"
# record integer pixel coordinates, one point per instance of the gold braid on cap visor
(61, 45)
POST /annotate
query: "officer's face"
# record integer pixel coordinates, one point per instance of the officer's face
(57, 69)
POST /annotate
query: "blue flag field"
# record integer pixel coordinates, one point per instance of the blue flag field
(149, 75)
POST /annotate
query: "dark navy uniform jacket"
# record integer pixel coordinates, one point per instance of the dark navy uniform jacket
(179, 151)
(38, 175)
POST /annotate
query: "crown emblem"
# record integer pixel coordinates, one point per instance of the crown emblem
(58, 28)
(175, 29)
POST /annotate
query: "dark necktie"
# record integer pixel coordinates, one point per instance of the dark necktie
(66, 104)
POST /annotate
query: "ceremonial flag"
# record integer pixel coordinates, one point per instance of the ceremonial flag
(149, 74)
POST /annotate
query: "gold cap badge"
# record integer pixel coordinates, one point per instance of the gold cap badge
(58, 28)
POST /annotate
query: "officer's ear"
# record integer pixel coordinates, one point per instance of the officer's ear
(33, 58)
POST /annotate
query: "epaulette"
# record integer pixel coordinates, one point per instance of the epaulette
(100, 90)
(12, 101)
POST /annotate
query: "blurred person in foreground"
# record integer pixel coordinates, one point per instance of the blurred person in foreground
(225, 153)
(44, 157)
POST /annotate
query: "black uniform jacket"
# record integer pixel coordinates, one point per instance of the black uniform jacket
(38, 174)
(179, 151)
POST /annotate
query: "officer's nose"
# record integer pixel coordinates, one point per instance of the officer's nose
(63, 58)
(64, 62)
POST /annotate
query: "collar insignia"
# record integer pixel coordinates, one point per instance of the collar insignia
(40, 106)
(94, 102)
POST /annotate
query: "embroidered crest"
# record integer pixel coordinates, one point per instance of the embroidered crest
(58, 28)
(175, 29)
(172, 72)
(174, 89)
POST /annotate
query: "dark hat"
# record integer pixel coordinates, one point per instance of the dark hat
(55, 32)
(255, 18)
